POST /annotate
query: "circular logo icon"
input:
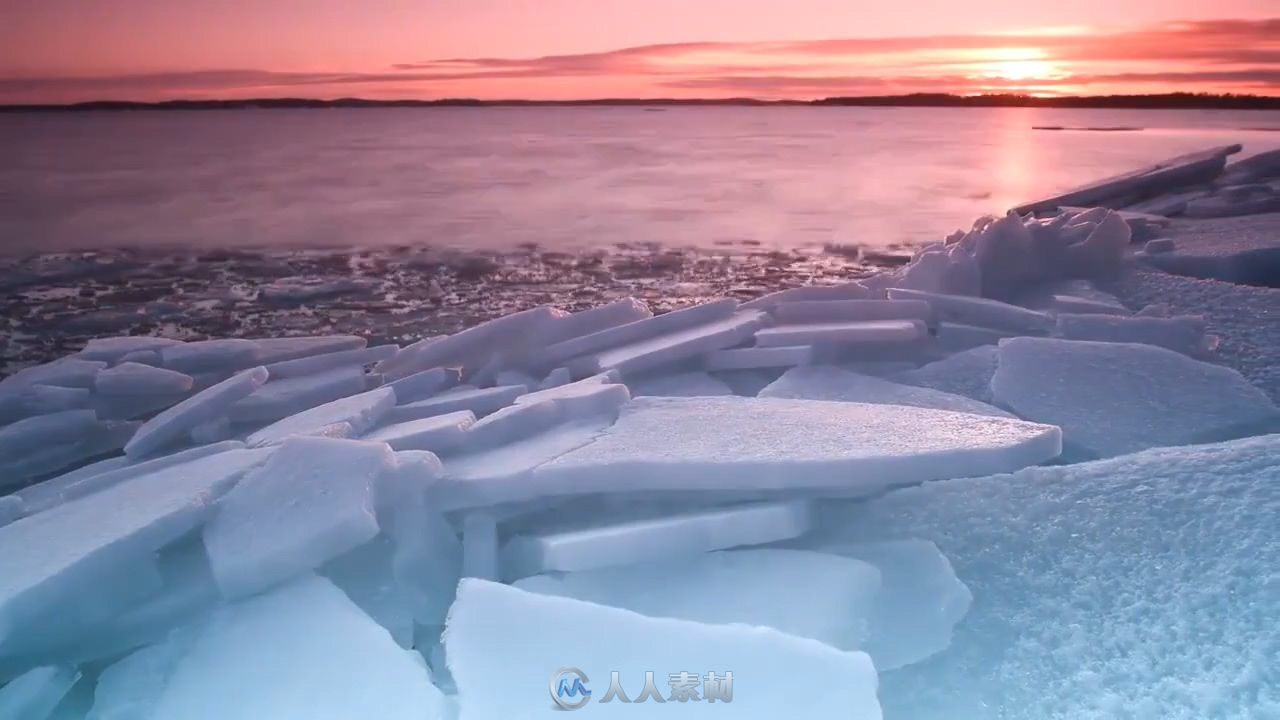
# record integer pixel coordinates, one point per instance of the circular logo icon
(569, 688)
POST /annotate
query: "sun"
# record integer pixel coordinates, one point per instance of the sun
(1018, 70)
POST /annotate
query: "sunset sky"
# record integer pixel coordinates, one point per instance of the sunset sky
(72, 50)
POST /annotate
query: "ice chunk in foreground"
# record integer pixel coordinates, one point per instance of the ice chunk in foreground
(919, 602)
(281, 398)
(1140, 586)
(301, 652)
(172, 425)
(439, 432)
(131, 378)
(67, 554)
(34, 695)
(496, 631)
(312, 501)
(358, 412)
(581, 545)
(824, 382)
(227, 354)
(1116, 398)
(688, 384)
(744, 444)
(751, 587)
(966, 373)
(427, 557)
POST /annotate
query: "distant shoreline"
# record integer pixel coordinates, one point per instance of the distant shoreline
(1171, 101)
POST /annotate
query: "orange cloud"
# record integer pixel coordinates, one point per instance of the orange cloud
(1219, 55)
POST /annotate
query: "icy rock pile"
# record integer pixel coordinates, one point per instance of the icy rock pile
(311, 528)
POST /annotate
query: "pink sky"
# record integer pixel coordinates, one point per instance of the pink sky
(72, 50)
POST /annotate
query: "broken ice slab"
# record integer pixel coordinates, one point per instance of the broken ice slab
(129, 688)
(631, 333)
(228, 354)
(966, 373)
(920, 600)
(113, 349)
(281, 398)
(41, 431)
(263, 658)
(1161, 177)
(34, 694)
(539, 411)
(583, 545)
(359, 413)
(281, 350)
(1264, 165)
(100, 439)
(754, 444)
(845, 291)
(11, 508)
(310, 502)
(1184, 334)
(66, 555)
(436, 433)
(92, 478)
(758, 357)
(1073, 304)
(313, 364)
(980, 311)
(37, 399)
(497, 631)
(1116, 398)
(671, 347)
(952, 337)
(824, 382)
(586, 322)
(365, 576)
(750, 587)
(131, 378)
(211, 431)
(819, 311)
(686, 384)
(1141, 225)
(830, 333)
(173, 425)
(421, 385)
(1216, 206)
(473, 345)
(426, 558)
(69, 372)
(134, 407)
(479, 401)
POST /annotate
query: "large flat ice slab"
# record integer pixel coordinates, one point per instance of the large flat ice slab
(65, 555)
(312, 501)
(301, 652)
(358, 412)
(824, 382)
(966, 373)
(744, 444)
(499, 631)
(750, 587)
(172, 426)
(584, 545)
(1139, 585)
(1116, 398)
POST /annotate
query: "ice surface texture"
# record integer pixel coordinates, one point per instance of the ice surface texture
(823, 382)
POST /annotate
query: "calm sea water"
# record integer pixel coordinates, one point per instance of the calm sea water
(566, 178)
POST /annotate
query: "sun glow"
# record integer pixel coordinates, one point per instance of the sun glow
(1021, 70)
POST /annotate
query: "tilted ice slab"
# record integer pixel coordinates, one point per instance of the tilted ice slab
(289, 396)
(592, 399)
(966, 373)
(436, 433)
(301, 652)
(47, 456)
(357, 412)
(113, 349)
(21, 437)
(473, 345)
(1116, 398)
(173, 425)
(687, 384)
(814, 293)
(280, 350)
(1140, 586)
(811, 311)
(72, 372)
(35, 694)
(634, 332)
(751, 587)
(496, 631)
(479, 401)
(584, 544)
(38, 399)
(69, 553)
(870, 331)
(824, 382)
(130, 378)
(980, 311)
(758, 357)
(747, 444)
(224, 355)
(424, 384)
(426, 557)
(671, 347)
(1185, 334)
(312, 501)
(619, 312)
(330, 361)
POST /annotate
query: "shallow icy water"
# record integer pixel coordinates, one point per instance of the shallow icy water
(565, 178)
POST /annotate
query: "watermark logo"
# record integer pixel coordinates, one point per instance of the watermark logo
(569, 688)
